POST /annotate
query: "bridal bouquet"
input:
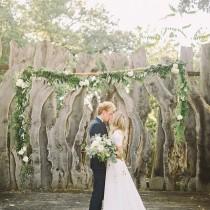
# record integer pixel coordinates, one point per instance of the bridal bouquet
(102, 148)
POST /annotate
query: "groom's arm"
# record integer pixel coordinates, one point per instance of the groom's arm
(95, 129)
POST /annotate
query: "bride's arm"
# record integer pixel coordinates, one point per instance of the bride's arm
(117, 138)
(119, 152)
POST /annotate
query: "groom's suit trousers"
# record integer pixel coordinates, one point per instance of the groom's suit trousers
(98, 189)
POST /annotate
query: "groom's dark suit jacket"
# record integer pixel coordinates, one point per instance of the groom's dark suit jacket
(97, 127)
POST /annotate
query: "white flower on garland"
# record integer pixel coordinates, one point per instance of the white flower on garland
(175, 69)
(21, 152)
(98, 96)
(179, 117)
(22, 135)
(96, 82)
(20, 83)
(93, 78)
(81, 83)
(127, 89)
(84, 83)
(24, 148)
(25, 159)
(66, 72)
(61, 98)
(87, 101)
(182, 98)
(130, 73)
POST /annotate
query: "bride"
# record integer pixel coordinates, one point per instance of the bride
(120, 191)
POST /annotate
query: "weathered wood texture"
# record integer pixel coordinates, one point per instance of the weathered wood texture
(56, 136)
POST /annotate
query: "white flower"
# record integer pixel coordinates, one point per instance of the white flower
(108, 142)
(90, 107)
(66, 72)
(20, 83)
(175, 65)
(107, 155)
(145, 74)
(61, 98)
(24, 148)
(93, 78)
(130, 74)
(127, 89)
(175, 69)
(21, 152)
(182, 98)
(25, 159)
(81, 83)
(95, 144)
(23, 135)
(84, 83)
(100, 148)
(87, 82)
(98, 138)
(179, 117)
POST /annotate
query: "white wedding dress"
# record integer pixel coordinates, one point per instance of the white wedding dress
(120, 191)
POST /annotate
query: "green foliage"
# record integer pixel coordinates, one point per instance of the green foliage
(151, 122)
(9, 28)
(21, 124)
(69, 23)
(190, 6)
(26, 174)
(93, 83)
(72, 24)
(101, 81)
(182, 104)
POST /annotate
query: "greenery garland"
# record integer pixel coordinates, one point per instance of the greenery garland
(94, 82)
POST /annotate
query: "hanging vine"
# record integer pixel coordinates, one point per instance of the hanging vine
(95, 82)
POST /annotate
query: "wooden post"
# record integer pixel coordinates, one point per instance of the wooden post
(186, 56)
(140, 98)
(203, 162)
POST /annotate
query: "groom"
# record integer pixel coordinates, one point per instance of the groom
(98, 126)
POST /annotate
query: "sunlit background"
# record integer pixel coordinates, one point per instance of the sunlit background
(92, 26)
(154, 16)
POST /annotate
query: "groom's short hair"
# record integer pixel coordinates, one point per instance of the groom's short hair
(106, 106)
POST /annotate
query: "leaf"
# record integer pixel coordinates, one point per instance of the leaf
(186, 26)
(173, 9)
(169, 15)
(190, 12)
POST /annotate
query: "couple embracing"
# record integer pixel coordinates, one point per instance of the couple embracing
(112, 183)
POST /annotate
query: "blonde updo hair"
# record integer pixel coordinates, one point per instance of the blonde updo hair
(119, 121)
(105, 106)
